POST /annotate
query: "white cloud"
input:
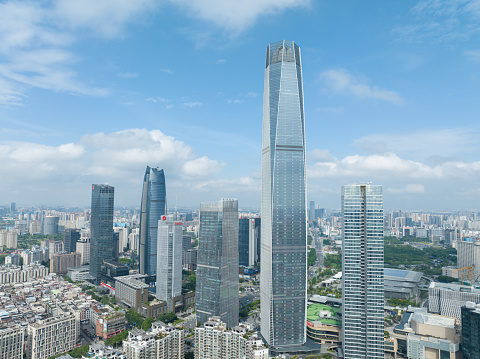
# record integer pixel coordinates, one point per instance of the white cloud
(167, 71)
(472, 55)
(221, 61)
(119, 158)
(409, 188)
(433, 145)
(236, 101)
(441, 21)
(127, 75)
(340, 81)
(106, 17)
(192, 104)
(236, 15)
(202, 167)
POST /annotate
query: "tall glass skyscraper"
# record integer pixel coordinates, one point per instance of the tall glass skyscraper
(283, 285)
(153, 207)
(169, 264)
(101, 228)
(217, 262)
(362, 271)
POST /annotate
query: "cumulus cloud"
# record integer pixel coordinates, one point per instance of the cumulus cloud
(236, 15)
(340, 81)
(422, 145)
(119, 158)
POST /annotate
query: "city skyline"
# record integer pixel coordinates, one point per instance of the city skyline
(391, 97)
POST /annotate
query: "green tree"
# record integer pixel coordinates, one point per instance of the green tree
(147, 323)
(312, 257)
(117, 338)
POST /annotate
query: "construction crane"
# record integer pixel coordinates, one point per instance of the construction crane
(470, 273)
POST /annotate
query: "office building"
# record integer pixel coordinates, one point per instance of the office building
(83, 247)
(153, 207)
(283, 278)
(217, 262)
(131, 292)
(111, 269)
(101, 228)
(50, 225)
(162, 342)
(471, 331)
(311, 211)
(13, 209)
(133, 239)
(190, 259)
(362, 272)
(59, 263)
(70, 239)
(169, 264)
(11, 342)
(79, 273)
(243, 241)
(54, 247)
(448, 299)
(249, 231)
(186, 242)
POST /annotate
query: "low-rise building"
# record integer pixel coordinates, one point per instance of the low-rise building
(80, 273)
(110, 324)
(402, 284)
(324, 323)
(429, 335)
(161, 342)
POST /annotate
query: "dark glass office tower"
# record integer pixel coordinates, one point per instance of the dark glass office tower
(153, 207)
(217, 262)
(101, 228)
(283, 284)
(70, 239)
(471, 331)
(243, 241)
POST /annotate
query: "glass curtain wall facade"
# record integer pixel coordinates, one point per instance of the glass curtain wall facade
(217, 262)
(283, 285)
(101, 228)
(362, 268)
(169, 265)
(243, 241)
(153, 207)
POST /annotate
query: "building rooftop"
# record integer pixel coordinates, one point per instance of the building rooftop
(402, 275)
(325, 314)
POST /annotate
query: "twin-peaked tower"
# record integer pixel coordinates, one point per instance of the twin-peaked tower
(283, 285)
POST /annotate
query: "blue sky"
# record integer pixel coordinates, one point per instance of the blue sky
(93, 91)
